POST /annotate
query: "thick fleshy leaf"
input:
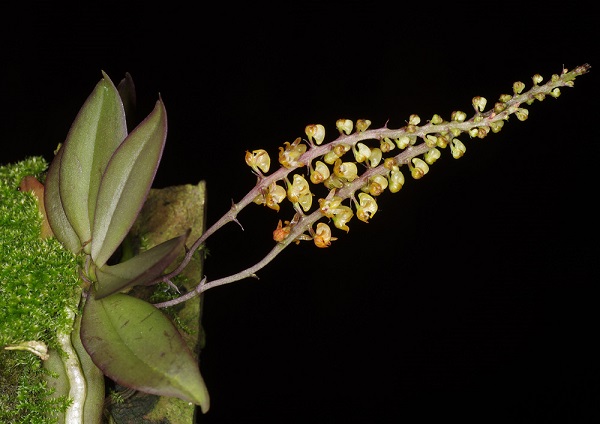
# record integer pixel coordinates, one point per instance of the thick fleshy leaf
(61, 227)
(142, 269)
(137, 346)
(95, 134)
(126, 183)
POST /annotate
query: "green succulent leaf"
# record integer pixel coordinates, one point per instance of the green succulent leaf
(97, 131)
(137, 346)
(126, 183)
(61, 227)
(142, 269)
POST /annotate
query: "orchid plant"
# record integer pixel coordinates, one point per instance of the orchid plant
(100, 178)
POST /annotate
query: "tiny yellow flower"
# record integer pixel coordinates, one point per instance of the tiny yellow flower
(346, 170)
(299, 192)
(395, 179)
(320, 173)
(375, 158)
(322, 236)
(258, 159)
(361, 152)
(432, 155)
(362, 125)
(329, 205)
(458, 116)
(377, 185)
(479, 103)
(366, 208)
(419, 169)
(342, 215)
(457, 148)
(344, 126)
(289, 155)
(315, 132)
(386, 144)
(275, 196)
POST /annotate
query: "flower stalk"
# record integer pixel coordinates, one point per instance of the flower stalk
(412, 140)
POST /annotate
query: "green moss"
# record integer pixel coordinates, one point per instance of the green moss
(38, 282)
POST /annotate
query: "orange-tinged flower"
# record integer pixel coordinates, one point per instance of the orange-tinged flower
(258, 159)
(322, 236)
(289, 155)
(367, 207)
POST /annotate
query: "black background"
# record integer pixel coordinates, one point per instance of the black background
(471, 295)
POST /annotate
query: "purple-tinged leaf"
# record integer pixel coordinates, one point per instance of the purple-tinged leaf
(95, 134)
(137, 346)
(126, 183)
(61, 227)
(142, 269)
(126, 89)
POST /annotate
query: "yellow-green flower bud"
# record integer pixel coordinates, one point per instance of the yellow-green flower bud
(496, 126)
(366, 208)
(341, 216)
(395, 179)
(457, 148)
(518, 87)
(458, 116)
(555, 93)
(361, 152)
(386, 144)
(442, 141)
(362, 125)
(333, 182)
(403, 141)
(537, 78)
(432, 155)
(346, 170)
(522, 114)
(419, 169)
(330, 157)
(430, 140)
(436, 119)
(377, 185)
(499, 107)
(414, 120)
(344, 126)
(320, 173)
(375, 157)
(479, 103)
(315, 132)
(299, 192)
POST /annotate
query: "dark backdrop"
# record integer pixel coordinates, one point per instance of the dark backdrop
(470, 296)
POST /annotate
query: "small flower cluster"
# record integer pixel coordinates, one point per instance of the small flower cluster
(367, 170)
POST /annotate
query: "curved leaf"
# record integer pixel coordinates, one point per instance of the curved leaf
(95, 134)
(126, 182)
(137, 346)
(139, 270)
(61, 227)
